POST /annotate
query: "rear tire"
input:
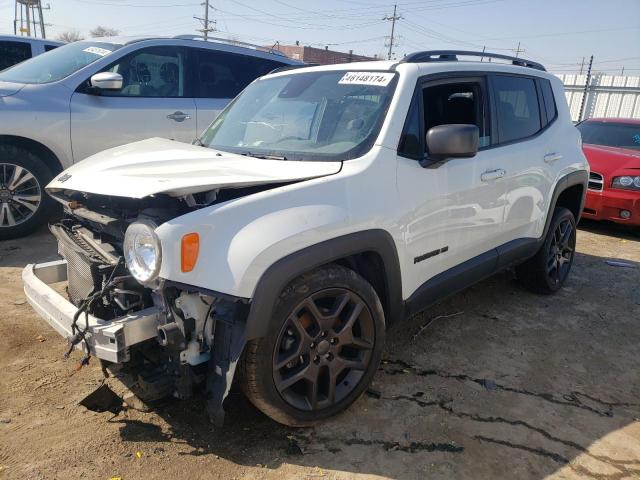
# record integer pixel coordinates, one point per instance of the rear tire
(24, 205)
(547, 271)
(323, 346)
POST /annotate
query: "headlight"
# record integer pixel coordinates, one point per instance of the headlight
(626, 182)
(142, 251)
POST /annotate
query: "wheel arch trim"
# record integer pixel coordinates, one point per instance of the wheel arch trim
(578, 177)
(282, 272)
(52, 162)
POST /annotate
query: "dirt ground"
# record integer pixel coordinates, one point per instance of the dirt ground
(500, 383)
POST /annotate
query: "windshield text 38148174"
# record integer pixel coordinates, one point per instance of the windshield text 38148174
(327, 116)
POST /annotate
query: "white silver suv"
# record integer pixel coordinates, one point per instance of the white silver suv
(60, 107)
(322, 205)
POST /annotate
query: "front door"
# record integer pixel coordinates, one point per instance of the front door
(151, 103)
(456, 206)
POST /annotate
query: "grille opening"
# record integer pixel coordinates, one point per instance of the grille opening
(596, 181)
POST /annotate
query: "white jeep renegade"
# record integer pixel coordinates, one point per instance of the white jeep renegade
(322, 205)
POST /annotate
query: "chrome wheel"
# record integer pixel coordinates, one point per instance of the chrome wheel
(324, 349)
(20, 195)
(561, 251)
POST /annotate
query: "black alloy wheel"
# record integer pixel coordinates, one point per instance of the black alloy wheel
(321, 348)
(548, 269)
(561, 250)
(324, 349)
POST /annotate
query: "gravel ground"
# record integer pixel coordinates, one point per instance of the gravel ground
(492, 383)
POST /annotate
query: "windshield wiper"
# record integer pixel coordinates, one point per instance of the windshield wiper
(263, 156)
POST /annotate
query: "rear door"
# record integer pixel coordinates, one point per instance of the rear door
(154, 102)
(528, 148)
(219, 76)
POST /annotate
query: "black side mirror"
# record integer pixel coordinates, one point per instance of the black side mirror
(453, 141)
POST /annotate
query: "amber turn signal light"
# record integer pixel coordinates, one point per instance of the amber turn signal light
(189, 251)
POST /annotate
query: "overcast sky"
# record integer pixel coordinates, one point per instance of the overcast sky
(557, 32)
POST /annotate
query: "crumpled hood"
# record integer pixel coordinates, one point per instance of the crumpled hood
(10, 88)
(157, 165)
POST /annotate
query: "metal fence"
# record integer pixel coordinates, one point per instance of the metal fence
(607, 96)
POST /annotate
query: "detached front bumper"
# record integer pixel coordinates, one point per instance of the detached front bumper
(108, 339)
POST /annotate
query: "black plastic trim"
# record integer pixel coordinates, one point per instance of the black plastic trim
(281, 273)
(452, 56)
(452, 281)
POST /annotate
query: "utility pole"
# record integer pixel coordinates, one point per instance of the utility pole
(518, 50)
(484, 48)
(206, 28)
(393, 19)
(586, 89)
(581, 65)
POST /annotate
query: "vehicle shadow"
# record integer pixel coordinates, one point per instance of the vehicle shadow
(494, 382)
(610, 228)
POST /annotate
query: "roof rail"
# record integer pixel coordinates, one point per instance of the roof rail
(227, 41)
(452, 55)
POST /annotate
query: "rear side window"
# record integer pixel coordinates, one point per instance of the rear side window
(517, 107)
(549, 100)
(224, 75)
(13, 52)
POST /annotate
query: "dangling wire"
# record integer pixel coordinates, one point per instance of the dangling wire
(79, 335)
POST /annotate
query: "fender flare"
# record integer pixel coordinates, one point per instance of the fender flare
(579, 177)
(281, 273)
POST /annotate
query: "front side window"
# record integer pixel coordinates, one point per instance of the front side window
(48, 47)
(150, 72)
(225, 75)
(611, 134)
(59, 63)
(13, 52)
(332, 115)
(516, 107)
(445, 103)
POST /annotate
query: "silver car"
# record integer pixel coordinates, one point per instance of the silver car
(15, 49)
(60, 107)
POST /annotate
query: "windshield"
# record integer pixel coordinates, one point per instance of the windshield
(623, 135)
(331, 115)
(58, 63)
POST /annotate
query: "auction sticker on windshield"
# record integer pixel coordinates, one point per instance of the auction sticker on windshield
(380, 79)
(97, 50)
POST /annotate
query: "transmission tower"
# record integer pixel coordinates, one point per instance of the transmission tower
(28, 18)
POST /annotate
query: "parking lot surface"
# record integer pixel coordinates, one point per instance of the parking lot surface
(494, 382)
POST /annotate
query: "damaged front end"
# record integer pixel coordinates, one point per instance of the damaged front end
(165, 338)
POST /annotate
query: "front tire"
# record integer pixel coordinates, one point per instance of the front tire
(24, 205)
(547, 271)
(323, 346)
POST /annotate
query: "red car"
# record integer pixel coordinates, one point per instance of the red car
(612, 146)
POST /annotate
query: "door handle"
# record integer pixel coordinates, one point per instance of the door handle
(493, 174)
(552, 157)
(179, 116)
